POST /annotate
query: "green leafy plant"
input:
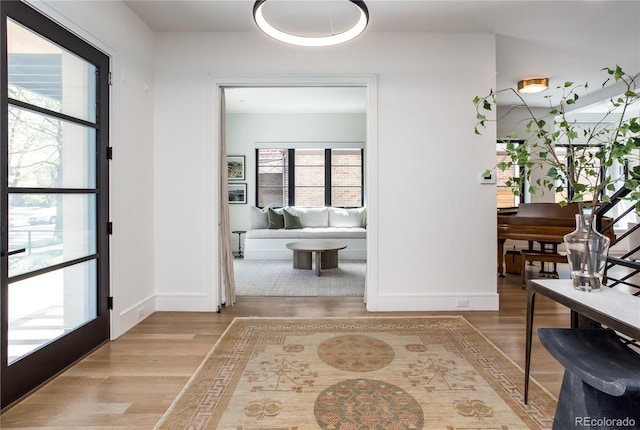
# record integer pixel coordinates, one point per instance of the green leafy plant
(592, 149)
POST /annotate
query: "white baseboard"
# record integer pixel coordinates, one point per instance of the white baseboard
(437, 302)
(135, 314)
(181, 302)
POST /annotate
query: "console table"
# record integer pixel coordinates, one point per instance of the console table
(609, 307)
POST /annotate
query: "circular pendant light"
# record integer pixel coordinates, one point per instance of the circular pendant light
(531, 86)
(294, 39)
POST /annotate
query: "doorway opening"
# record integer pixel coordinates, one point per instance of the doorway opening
(254, 114)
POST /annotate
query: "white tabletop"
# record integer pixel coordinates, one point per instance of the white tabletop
(316, 245)
(618, 305)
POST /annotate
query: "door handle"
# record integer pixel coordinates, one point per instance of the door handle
(15, 251)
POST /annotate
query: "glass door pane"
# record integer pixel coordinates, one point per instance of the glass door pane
(45, 307)
(50, 153)
(43, 74)
(59, 232)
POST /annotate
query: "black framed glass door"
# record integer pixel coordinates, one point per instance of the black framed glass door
(54, 199)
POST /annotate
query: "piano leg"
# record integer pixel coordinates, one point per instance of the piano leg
(501, 257)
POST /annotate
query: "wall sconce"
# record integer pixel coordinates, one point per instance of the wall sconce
(535, 85)
(293, 39)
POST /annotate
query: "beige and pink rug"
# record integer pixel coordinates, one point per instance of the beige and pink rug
(382, 373)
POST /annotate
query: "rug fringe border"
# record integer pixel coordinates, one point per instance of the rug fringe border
(193, 376)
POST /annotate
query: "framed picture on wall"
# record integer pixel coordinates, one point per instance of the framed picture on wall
(237, 193)
(235, 167)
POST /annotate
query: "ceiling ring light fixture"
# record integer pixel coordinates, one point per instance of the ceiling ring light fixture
(293, 39)
(531, 86)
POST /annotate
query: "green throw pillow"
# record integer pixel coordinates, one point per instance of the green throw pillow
(275, 219)
(291, 221)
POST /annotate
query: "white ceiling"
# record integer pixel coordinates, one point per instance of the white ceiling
(563, 40)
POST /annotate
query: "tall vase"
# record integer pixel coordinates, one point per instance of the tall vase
(587, 252)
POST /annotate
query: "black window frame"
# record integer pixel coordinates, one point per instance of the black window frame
(327, 176)
(31, 371)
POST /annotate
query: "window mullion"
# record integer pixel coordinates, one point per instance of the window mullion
(327, 177)
(362, 177)
(292, 177)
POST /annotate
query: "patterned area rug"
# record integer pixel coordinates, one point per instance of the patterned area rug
(357, 373)
(279, 278)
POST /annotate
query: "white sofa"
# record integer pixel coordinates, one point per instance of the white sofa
(271, 230)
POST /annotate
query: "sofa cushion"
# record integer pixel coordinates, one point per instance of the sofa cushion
(291, 220)
(259, 217)
(312, 217)
(276, 220)
(339, 217)
(308, 233)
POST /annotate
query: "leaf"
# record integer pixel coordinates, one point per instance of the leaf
(631, 184)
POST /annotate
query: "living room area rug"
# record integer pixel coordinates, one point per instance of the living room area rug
(279, 278)
(383, 373)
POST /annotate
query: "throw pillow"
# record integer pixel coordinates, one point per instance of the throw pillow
(346, 217)
(276, 220)
(259, 218)
(291, 221)
(313, 217)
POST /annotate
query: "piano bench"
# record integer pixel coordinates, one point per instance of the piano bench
(546, 257)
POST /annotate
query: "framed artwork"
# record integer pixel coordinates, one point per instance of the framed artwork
(237, 193)
(235, 167)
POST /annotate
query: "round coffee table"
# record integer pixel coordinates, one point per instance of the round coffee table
(326, 254)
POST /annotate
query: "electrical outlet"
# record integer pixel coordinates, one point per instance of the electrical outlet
(462, 303)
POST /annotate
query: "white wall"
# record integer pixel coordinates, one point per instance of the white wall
(115, 29)
(428, 161)
(244, 130)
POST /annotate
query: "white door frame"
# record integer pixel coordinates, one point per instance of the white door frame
(371, 166)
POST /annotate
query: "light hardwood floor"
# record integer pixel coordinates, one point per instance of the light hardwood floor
(130, 382)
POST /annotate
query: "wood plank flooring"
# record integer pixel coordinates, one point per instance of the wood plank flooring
(130, 382)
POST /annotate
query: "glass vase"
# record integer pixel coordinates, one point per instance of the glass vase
(587, 252)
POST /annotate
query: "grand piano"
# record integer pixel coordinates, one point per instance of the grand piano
(544, 223)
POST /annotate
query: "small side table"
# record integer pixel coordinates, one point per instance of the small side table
(239, 233)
